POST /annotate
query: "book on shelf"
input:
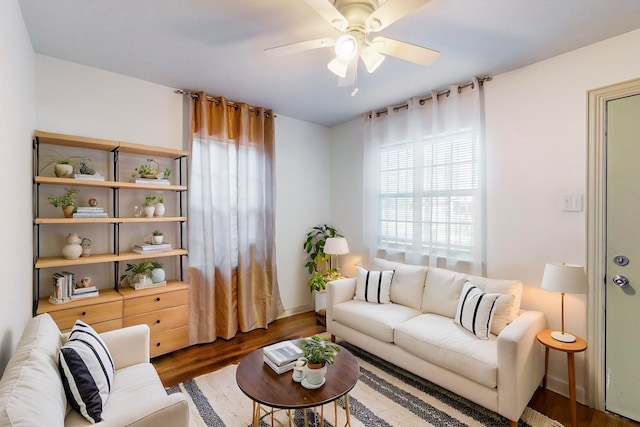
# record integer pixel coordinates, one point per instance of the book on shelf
(85, 295)
(78, 291)
(150, 181)
(84, 209)
(151, 251)
(152, 247)
(95, 177)
(280, 369)
(138, 286)
(282, 353)
(91, 215)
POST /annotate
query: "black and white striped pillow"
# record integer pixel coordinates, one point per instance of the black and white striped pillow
(374, 286)
(475, 310)
(87, 371)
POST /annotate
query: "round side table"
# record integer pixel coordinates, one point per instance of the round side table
(570, 348)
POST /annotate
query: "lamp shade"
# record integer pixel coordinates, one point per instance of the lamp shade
(338, 67)
(567, 278)
(336, 246)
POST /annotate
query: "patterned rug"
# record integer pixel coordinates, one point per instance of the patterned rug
(385, 395)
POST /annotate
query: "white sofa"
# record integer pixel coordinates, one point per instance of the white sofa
(32, 394)
(416, 331)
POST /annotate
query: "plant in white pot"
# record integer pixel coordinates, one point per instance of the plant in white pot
(157, 236)
(85, 242)
(158, 274)
(160, 209)
(62, 166)
(149, 208)
(136, 274)
(319, 352)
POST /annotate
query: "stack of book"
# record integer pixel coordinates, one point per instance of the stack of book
(90, 212)
(64, 289)
(150, 181)
(94, 177)
(281, 356)
(149, 248)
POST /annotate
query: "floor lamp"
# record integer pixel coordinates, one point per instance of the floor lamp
(566, 279)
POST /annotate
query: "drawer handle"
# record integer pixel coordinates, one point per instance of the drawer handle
(158, 299)
(158, 321)
(157, 344)
(84, 313)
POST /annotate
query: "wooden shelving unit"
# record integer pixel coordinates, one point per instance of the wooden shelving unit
(100, 310)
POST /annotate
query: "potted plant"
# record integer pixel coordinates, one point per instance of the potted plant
(159, 211)
(136, 273)
(157, 273)
(85, 242)
(157, 236)
(166, 173)
(67, 201)
(149, 208)
(62, 166)
(317, 262)
(319, 352)
(149, 170)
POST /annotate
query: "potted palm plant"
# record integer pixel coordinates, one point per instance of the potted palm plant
(62, 166)
(136, 274)
(319, 352)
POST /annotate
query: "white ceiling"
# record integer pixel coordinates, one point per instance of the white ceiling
(218, 45)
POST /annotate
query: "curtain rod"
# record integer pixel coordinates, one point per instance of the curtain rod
(422, 101)
(213, 99)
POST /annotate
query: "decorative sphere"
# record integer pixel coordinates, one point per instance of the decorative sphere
(93, 202)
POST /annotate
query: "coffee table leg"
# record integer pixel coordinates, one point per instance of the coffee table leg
(256, 413)
(347, 411)
(306, 422)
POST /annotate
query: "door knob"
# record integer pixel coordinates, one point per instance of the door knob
(620, 281)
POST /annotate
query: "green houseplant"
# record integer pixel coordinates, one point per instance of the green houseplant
(67, 201)
(149, 208)
(62, 166)
(319, 352)
(157, 236)
(136, 273)
(157, 272)
(317, 260)
(150, 170)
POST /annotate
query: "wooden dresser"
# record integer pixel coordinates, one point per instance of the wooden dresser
(103, 312)
(165, 310)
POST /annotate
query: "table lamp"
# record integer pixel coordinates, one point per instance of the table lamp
(336, 246)
(566, 279)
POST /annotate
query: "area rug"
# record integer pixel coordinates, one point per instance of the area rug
(385, 395)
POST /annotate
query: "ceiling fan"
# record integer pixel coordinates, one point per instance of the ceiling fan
(356, 20)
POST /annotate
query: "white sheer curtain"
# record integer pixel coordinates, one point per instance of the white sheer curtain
(424, 181)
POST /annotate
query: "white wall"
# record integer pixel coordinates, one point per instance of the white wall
(536, 123)
(302, 201)
(17, 112)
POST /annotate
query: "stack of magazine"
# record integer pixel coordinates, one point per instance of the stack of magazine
(150, 248)
(282, 356)
(90, 212)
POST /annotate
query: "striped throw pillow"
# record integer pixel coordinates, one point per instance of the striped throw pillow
(374, 286)
(87, 371)
(475, 310)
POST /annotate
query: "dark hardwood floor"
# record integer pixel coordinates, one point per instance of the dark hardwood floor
(190, 362)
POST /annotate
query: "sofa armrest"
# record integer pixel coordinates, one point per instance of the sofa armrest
(172, 410)
(338, 291)
(128, 346)
(520, 363)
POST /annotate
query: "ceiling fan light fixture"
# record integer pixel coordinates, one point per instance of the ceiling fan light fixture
(346, 47)
(338, 67)
(371, 58)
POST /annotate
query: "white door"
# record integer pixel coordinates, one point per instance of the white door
(622, 354)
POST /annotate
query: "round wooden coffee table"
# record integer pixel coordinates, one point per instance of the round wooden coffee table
(264, 387)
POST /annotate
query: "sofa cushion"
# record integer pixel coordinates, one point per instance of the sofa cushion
(33, 371)
(508, 306)
(373, 286)
(376, 320)
(475, 310)
(438, 340)
(407, 285)
(87, 371)
(442, 292)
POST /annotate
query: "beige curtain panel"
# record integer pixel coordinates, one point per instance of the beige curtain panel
(232, 268)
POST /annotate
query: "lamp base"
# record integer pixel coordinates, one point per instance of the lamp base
(562, 336)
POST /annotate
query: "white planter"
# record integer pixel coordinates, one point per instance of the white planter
(158, 275)
(157, 239)
(320, 300)
(159, 209)
(148, 211)
(63, 170)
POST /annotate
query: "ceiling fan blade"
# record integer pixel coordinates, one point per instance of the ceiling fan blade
(329, 13)
(300, 46)
(390, 12)
(350, 78)
(407, 51)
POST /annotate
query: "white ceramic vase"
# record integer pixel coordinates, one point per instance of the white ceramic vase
(315, 376)
(158, 275)
(72, 250)
(157, 239)
(63, 170)
(148, 211)
(159, 209)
